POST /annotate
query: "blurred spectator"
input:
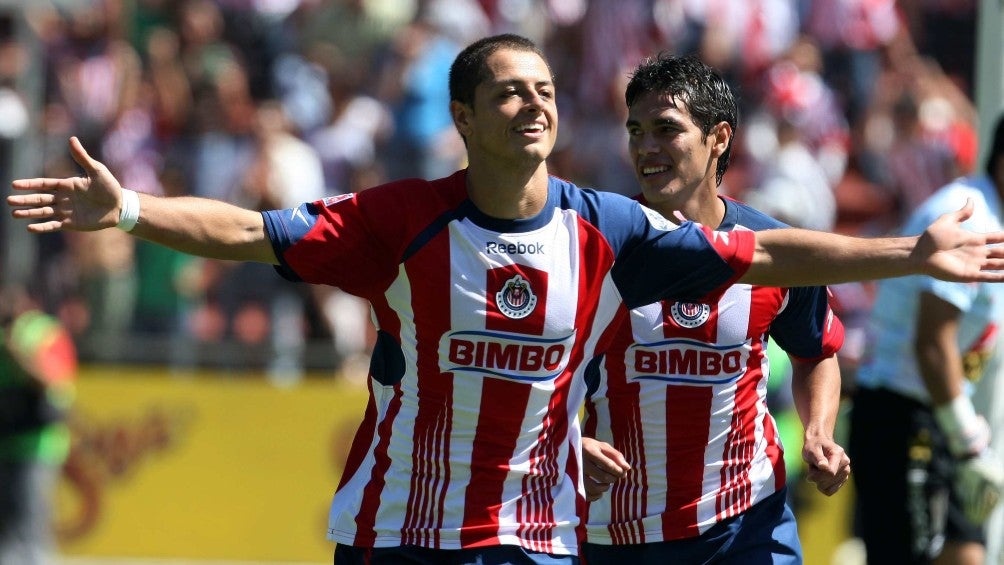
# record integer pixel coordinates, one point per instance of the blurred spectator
(223, 147)
(918, 162)
(105, 265)
(204, 52)
(286, 170)
(794, 188)
(95, 73)
(360, 29)
(798, 97)
(414, 82)
(358, 124)
(852, 35)
(167, 285)
(38, 365)
(302, 87)
(172, 96)
(945, 30)
(742, 37)
(798, 142)
(12, 104)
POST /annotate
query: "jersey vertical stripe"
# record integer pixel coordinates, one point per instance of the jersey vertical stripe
(424, 294)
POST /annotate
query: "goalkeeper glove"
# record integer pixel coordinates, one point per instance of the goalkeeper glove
(979, 480)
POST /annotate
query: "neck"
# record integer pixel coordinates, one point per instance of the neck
(507, 192)
(706, 208)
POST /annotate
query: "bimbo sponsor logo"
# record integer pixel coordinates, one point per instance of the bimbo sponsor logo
(503, 355)
(687, 361)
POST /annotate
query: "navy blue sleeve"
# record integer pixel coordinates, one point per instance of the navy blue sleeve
(656, 259)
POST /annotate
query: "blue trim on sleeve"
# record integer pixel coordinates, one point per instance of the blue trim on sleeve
(283, 234)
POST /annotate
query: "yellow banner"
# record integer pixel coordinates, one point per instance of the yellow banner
(203, 465)
(218, 466)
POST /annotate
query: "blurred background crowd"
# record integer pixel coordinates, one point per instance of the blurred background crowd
(852, 112)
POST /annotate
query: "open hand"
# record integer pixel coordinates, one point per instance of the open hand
(950, 252)
(86, 203)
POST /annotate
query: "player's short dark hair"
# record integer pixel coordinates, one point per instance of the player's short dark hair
(470, 68)
(688, 79)
(997, 149)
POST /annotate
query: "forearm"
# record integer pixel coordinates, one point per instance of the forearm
(936, 348)
(797, 257)
(815, 387)
(204, 227)
(940, 366)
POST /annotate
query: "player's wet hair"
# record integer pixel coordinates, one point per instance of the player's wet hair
(470, 68)
(705, 93)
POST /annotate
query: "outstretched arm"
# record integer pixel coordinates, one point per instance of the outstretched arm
(197, 226)
(815, 387)
(797, 257)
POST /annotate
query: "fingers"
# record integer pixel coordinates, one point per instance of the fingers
(994, 237)
(80, 155)
(991, 271)
(34, 213)
(828, 467)
(37, 213)
(602, 461)
(827, 479)
(603, 471)
(32, 200)
(966, 211)
(602, 465)
(45, 227)
(41, 184)
(599, 477)
(962, 214)
(595, 490)
(827, 482)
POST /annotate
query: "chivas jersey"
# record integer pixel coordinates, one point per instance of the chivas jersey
(471, 434)
(682, 394)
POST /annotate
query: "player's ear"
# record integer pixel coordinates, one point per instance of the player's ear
(462, 117)
(721, 137)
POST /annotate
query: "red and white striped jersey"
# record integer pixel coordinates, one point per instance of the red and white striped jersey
(471, 434)
(681, 393)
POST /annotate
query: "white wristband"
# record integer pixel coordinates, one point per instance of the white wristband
(965, 429)
(130, 210)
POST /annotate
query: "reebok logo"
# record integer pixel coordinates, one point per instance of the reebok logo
(501, 247)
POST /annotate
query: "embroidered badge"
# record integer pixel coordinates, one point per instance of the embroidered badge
(690, 314)
(516, 299)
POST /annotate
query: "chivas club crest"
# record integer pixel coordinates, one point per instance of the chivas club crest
(690, 314)
(516, 299)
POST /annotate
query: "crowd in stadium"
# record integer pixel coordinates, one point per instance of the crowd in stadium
(852, 112)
